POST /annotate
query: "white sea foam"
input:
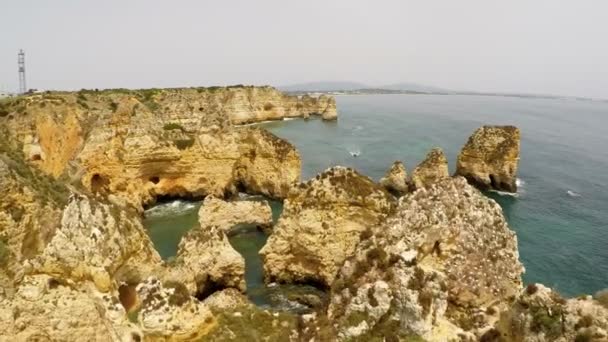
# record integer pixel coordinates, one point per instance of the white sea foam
(573, 194)
(176, 207)
(520, 182)
(504, 193)
(355, 154)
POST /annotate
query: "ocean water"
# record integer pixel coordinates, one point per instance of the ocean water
(561, 212)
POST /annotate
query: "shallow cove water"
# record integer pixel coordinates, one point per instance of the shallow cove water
(561, 212)
(168, 222)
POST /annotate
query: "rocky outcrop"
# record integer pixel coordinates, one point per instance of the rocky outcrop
(328, 108)
(321, 225)
(207, 262)
(225, 215)
(94, 240)
(432, 169)
(490, 158)
(436, 269)
(395, 180)
(167, 311)
(540, 314)
(51, 309)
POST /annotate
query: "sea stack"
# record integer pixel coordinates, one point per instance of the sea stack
(321, 226)
(490, 158)
(432, 169)
(395, 180)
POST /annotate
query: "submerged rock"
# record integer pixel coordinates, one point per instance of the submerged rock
(490, 158)
(225, 215)
(395, 180)
(431, 170)
(431, 270)
(321, 225)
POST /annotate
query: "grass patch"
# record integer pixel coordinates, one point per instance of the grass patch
(172, 125)
(4, 253)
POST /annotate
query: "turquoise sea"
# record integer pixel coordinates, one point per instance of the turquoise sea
(561, 212)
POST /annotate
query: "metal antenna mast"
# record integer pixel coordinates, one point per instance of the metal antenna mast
(21, 62)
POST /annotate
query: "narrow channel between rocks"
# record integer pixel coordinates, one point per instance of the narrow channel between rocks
(167, 221)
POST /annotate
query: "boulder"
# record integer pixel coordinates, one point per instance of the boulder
(321, 225)
(395, 180)
(432, 169)
(168, 312)
(225, 215)
(431, 270)
(490, 158)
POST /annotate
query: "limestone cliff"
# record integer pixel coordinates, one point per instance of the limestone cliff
(171, 142)
(490, 158)
(320, 226)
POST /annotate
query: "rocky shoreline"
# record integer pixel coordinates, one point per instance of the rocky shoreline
(420, 258)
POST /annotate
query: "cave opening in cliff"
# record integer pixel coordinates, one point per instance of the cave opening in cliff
(493, 182)
(36, 157)
(127, 296)
(99, 183)
(208, 288)
(154, 179)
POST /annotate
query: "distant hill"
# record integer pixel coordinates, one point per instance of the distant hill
(414, 87)
(329, 86)
(324, 86)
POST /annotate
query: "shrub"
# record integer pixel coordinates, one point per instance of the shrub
(583, 337)
(183, 144)
(268, 106)
(180, 294)
(172, 125)
(83, 104)
(531, 289)
(4, 253)
(81, 96)
(113, 106)
(551, 324)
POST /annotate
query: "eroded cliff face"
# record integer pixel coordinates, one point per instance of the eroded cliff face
(321, 224)
(174, 142)
(490, 158)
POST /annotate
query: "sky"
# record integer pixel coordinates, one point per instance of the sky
(555, 47)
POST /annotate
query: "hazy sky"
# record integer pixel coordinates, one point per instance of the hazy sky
(536, 46)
